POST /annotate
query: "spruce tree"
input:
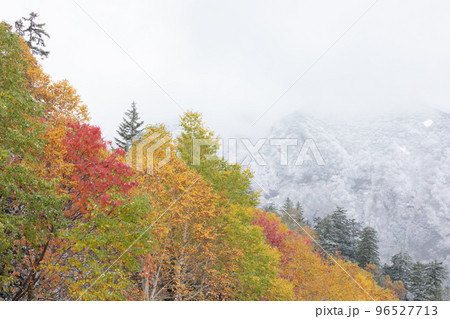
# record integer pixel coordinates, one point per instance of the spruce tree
(367, 251)
(270, 207)
(418, 284)
(446, 293)
(355, 230)
(33, 34)
(436, 274)
(341, 233)
(299, 213)
(129, 128)
(292, 216)
(323, 228)
(400, 268)
(335, 233)
(288, 205)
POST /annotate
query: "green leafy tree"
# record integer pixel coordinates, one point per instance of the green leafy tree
(198, 147)
(130, 128)
(30, 209)
(367, 251)
(33, 34)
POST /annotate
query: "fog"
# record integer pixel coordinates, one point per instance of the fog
(231, 60)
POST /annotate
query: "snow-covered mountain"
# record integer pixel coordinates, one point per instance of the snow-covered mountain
(391, 173)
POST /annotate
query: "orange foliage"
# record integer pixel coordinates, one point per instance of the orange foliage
(313, 277)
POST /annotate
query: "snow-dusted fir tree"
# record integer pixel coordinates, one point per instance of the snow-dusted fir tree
(292, 216)
(436, 275)
(335, 233)
(355, 231)
(288, 205)
(400, 268)
(129, 128)
(299, 213)
(418, 283)
(367, 250)
(341, 233)
(323, 228)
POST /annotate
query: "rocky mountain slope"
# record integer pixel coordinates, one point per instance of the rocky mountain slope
(391, 173)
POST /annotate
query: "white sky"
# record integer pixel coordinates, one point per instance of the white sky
(231, 60)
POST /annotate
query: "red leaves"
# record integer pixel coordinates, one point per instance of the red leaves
(271, 228)
(97, 171)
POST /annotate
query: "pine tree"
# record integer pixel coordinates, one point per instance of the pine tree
(33, 34)
(341, 233)
(323, 228)
(288, 205)
(436, 274)
(355, 230)
(129, 128)
(299, 213)
(367, 251)
(418, 284)
(292, 216)
(400, 269)
(446, 293)
(270, 207)
(335, 233)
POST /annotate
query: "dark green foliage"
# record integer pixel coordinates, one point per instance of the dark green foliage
(367, 251)
(292, 216)
(418, 284)
(400, 268)
(335, 234)
(33, 34)
(436, 274)
(355, 230)
(129, 128)
(288, 205)
(270, 207)
(422, 280)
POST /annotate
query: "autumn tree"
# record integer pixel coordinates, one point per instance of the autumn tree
(202, 248)
(395, 286)
(198, 147)
(66, 207)
(312, 276)
(30, 207)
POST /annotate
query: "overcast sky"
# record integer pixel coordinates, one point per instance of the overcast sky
(231, 60)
